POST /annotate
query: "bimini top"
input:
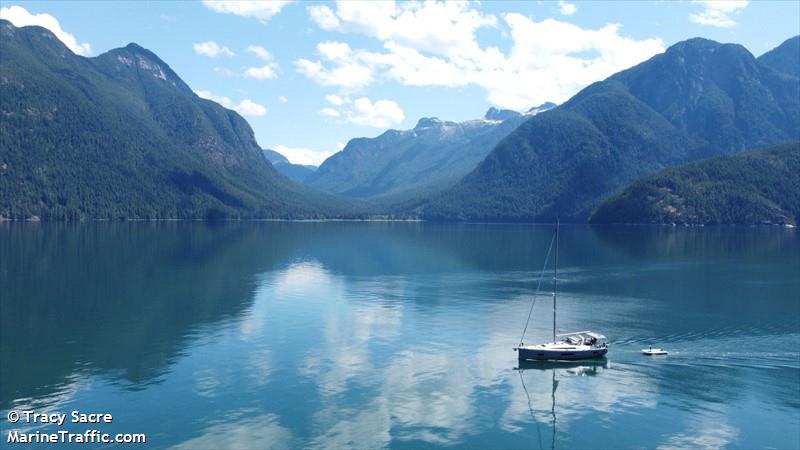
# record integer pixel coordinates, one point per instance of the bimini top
(583, 334)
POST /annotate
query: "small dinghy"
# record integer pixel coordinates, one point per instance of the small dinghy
(654, 351)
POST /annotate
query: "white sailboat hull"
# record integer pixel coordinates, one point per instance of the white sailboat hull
(560, 351)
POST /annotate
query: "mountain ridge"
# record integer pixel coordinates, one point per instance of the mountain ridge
(121, 136)
(698, 99)
(400, 164)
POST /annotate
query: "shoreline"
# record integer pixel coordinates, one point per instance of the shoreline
(37, 221)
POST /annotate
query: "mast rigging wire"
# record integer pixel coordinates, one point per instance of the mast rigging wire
(538, 287)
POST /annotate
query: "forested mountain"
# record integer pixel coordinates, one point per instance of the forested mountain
(121, 136)
(295, 172)
(752, 187)
(698, 99)
(432, 156)
(784, 58)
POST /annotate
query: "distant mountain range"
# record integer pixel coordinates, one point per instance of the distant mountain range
(752, 187)
(121, 136)
(295, 172)
(432, 156)
(698, 99)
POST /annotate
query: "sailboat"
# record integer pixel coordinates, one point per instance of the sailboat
(566, 346)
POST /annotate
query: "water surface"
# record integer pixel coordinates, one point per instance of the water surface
(397, 335)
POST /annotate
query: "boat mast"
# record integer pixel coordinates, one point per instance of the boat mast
(555, 283)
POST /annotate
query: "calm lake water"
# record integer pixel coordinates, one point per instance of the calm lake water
(397, 335)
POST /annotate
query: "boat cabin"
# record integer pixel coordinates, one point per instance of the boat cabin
(583, 338)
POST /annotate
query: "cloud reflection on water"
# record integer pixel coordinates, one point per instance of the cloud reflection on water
(708, 432)
(414, 392)
(243, 432)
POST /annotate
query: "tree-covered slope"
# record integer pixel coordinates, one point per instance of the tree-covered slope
(698, 99)
(752, 187)
(121, 136)
(785, 57)
(432, 156)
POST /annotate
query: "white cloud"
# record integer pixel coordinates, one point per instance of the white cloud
(334, 51)
(323, 16)
(223, 71)
(552, 60)
(261, 73)
(437, 27)
(20, 17)
(381, 114)
(305, 156)
(347, 72)
(266, 72)
(412, 68)
(566, 9)
(222, 100)
(260, 52)
(211, 49)
(260, 10)
(434, 44)
(362, 111)
(246, 107)
(282, 99)
(717, 13)
(334, 99)
(329, 112)
(340, 145)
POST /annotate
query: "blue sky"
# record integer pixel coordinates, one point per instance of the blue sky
(309, 76)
